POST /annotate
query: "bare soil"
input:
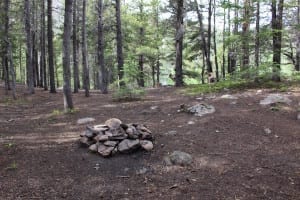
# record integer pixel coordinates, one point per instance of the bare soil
(234, 158)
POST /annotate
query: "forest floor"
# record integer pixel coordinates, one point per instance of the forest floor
(234, 157)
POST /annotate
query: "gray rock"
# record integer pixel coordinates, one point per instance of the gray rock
(146, 144)
(228, 96)
(100, 128)
(191, 122)
(94, 148)
(127, 145)
(180, 158)
(275, 98)
(267, 131)
(298, 116)
(113, 123)
(88, 133)
(171, 133)
(142, 171)
(101, 138)
(201, 109)
(85, 120)
(110, 143)
(132, 132)
(104, 150)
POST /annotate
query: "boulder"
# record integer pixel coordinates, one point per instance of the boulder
(94, 147)
(201, 109)
(127, 146)
(180, 158)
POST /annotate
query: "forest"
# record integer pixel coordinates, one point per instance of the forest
(107, 44)
(149, 99)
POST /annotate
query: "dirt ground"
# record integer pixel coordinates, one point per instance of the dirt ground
(233, 157)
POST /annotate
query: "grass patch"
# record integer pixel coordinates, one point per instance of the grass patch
(12, 166)
(128, 94)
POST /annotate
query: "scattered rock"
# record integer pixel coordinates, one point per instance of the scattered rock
(85, 120)
(275, 98)
(172, 133)
(191, 122)
(113, 123)
(180, 158)
(228, 96)
(127, 145)
(146, 144)
(267, 131)
(201, 109)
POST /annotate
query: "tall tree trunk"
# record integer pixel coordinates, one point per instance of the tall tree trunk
(43, 66)
(102, 73)
(68, 102)
(209, 67)
(29, 63)
(84, 52)
(203, 40)
(297, 65)
(257, 37)
(50, 47)
(232, 52)
(245, 36)
(215, 43)
(277, 37)
(75, 49)
(179, 44)
(141, 81)
(6, 42)
(8, 49)
(120, 58)
(223, 49)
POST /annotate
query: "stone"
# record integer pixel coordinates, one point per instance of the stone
(88, 133)
(275, 98)
(101, 138)
(85, 142)
(153, 107)
(113, 123)
(143, 128)
(132, 132)
(85, 120)
(110, 143)
(100, 128)
(267, 131)
(94, 148)
(191, 122)
(146, 144)
(298, 116)
(104, 150)
(180, 158)
(127, 145)
(201, 109)
(172, 133)
(228, 96)
(142, 171)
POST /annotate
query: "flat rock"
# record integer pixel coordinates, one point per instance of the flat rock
(180, 158)
(201, 109)
(146, 144)
(275, 98)
(113, 123)
(110, 143)
(85, 120)
(228, 96)
(104, 150)
(127, 145)
(101, 138)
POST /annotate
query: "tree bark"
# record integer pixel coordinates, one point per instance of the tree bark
(84, 52)
(43, 66)
(245, 35)
(215, 44)
(50, 48)
(120, 58)
(102, 73)
(179, 44)
(209, 67)
(277, 37)
(257, 37)
(68, 103)
(29, 63)
(75, 49)
(297, 65)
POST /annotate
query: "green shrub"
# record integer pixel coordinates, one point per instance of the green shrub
(128, 94)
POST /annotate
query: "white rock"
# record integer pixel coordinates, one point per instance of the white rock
(85, 120)
(113, 123)
(275, 98)
(228, 96)
(201, 109)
